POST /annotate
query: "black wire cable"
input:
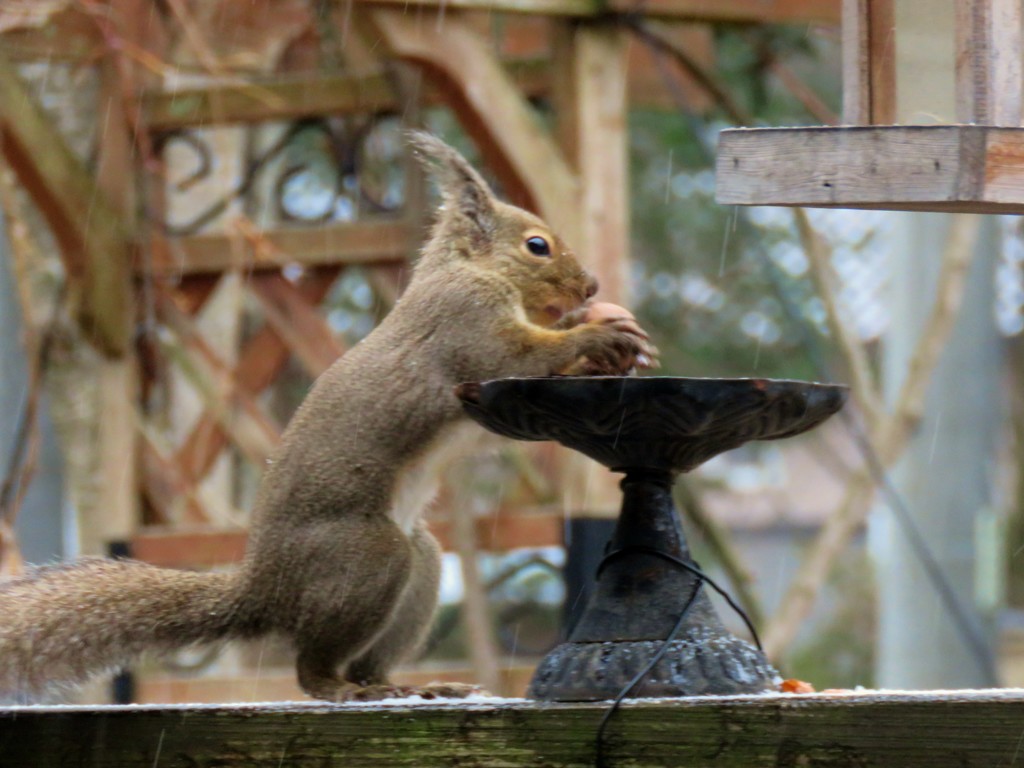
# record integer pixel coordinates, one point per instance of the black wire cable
(692, 568)
(702, 578)
(599, 739)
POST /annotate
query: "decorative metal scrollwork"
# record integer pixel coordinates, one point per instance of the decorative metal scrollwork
(315, 170)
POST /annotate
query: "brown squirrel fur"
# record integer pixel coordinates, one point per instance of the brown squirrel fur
(338, 558)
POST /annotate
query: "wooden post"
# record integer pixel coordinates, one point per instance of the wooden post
(117, 503)
(988, 62)
(869, 52)
(591, 109)
(117, 508)
(592, 112)
(93, 241)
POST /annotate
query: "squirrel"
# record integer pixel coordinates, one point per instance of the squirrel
(339, 560)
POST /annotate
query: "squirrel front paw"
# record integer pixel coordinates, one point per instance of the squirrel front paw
(614, 344)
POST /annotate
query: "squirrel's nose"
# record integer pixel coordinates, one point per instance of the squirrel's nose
(591, 286)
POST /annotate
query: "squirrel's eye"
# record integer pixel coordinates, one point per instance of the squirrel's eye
(538, 246)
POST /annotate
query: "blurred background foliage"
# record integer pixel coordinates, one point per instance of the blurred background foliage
(722, 293)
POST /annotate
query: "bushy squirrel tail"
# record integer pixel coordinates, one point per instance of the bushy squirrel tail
(62, 624)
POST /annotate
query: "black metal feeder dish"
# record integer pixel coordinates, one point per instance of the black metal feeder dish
(650, 429)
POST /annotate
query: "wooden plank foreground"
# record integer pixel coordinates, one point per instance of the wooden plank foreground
(947, 168)
(965, 728)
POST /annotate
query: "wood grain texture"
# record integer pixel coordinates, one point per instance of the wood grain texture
(980, 728)
(988, 62)
(881, 54)
(947, 168)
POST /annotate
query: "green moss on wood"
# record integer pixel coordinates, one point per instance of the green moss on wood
(972, 729)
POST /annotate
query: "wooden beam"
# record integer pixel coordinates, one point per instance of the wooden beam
(171, 493)
(74, 36)
(255, 100)
(92, 238)
(260, 362)
(209, 547)
(48, 31)
(289, 97)
(657, 82)
(593, 112)
(296, 322)
(966, 729)
(237, 412)
(196, 548)
(193, 291)
(947, 168)
(739, 11)
(509, 133)
(361, 242)
(71, 35)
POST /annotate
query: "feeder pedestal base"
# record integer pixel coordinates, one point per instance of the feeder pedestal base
(702, 663)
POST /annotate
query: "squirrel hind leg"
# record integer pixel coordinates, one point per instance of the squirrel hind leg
(347, 603)
(366, 678)
(407, 629)
(405, 634)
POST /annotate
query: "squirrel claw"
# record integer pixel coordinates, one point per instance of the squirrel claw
(438, 690)
(377, 692)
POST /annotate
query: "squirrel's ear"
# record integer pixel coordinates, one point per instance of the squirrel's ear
(463, 190)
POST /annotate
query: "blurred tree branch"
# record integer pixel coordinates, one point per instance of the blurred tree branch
(887, 437)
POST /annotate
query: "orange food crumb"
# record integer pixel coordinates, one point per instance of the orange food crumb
(796, 686)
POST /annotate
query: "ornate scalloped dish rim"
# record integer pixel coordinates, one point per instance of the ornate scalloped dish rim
(626, 425)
